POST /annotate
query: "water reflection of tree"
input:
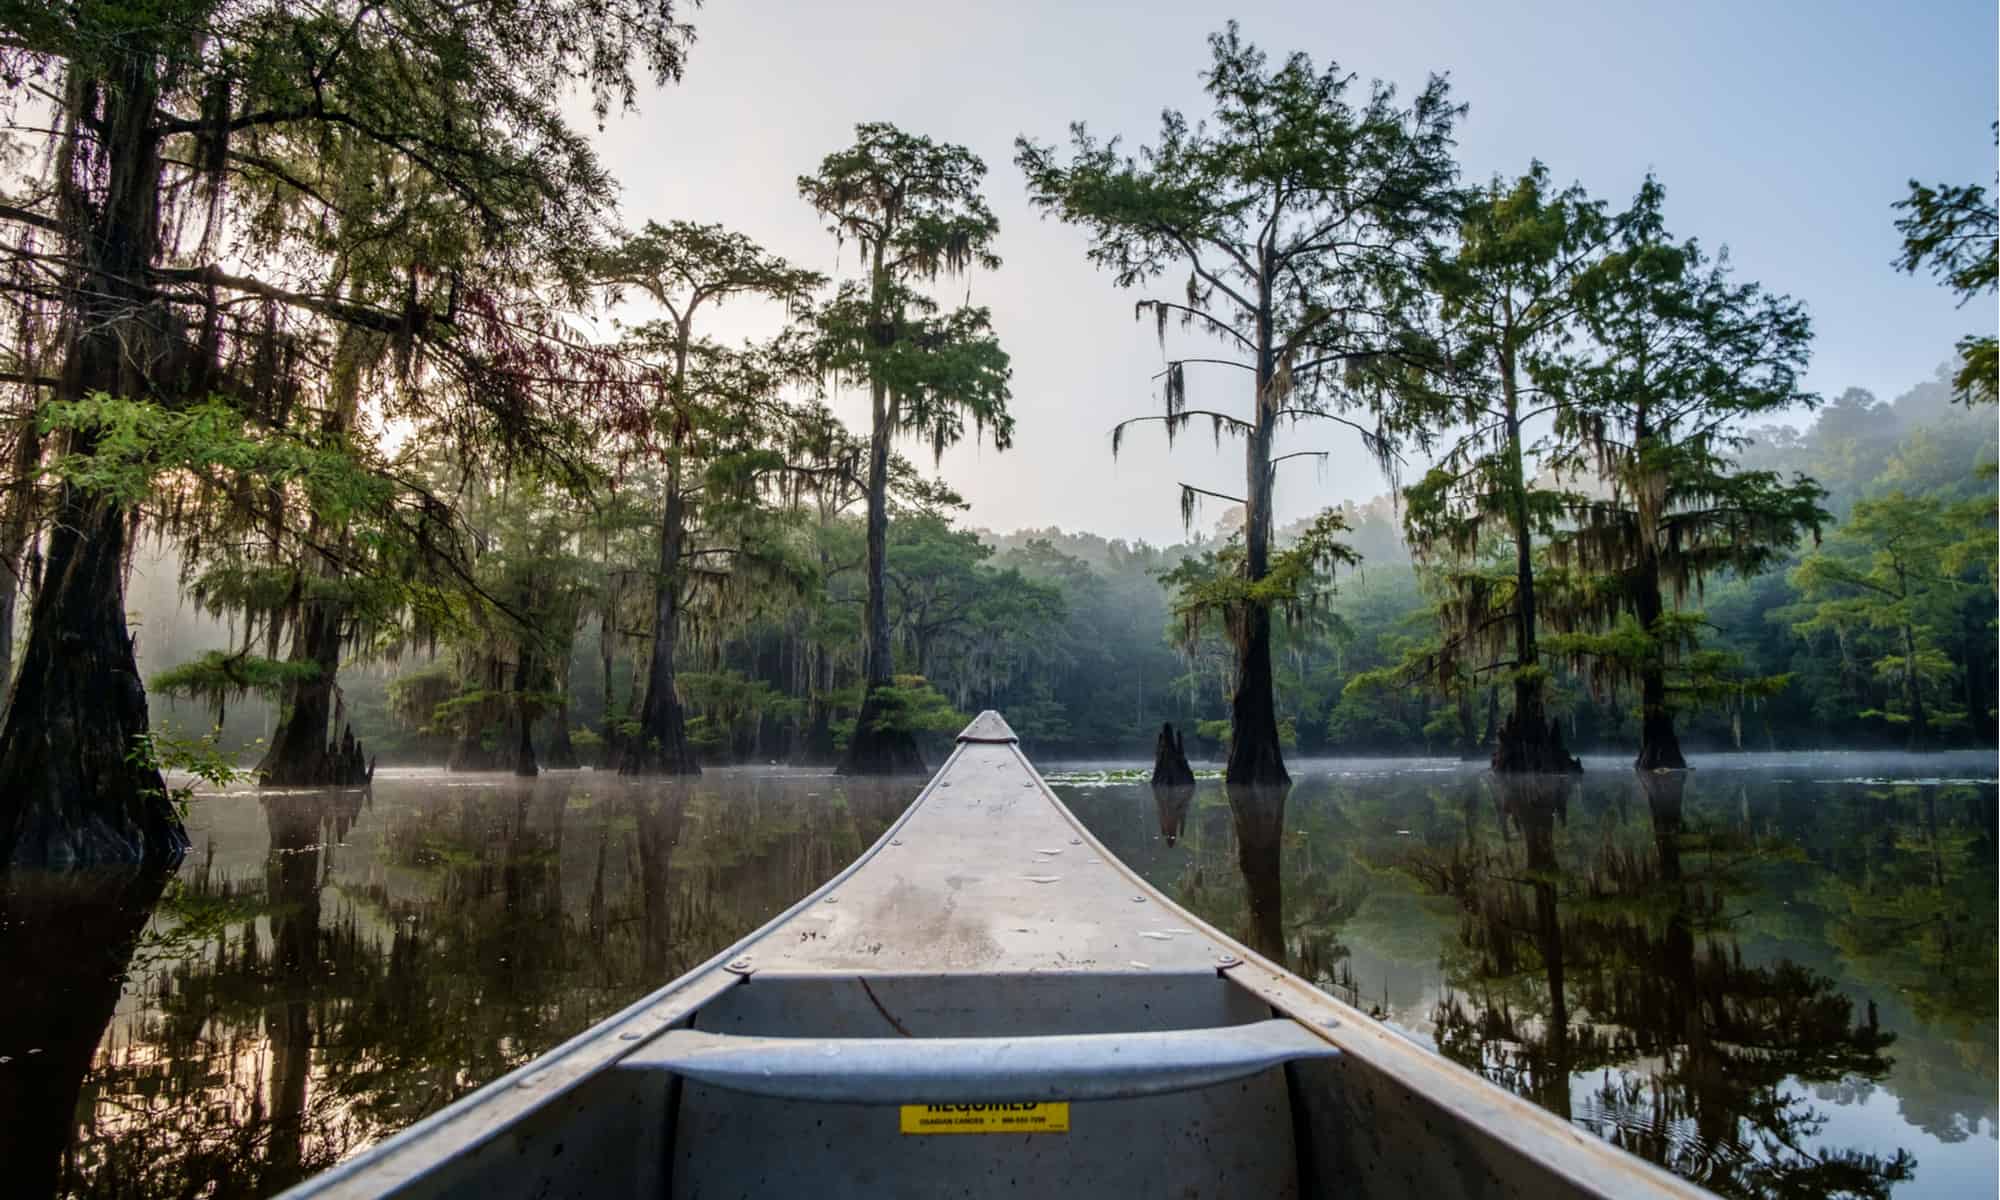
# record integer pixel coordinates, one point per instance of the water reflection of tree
(1170, 803)
(1258, 813)
(294, 1015)
(66, 941)
(1278, 890)
(212, 1092)
(1913, 917)
(1623, 955)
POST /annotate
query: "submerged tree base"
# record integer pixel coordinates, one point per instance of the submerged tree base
(337, 764)
(1659, 746)
(561, 754)
(654, 757)
(877, 751)
(1250, 768)
(77, 787)
(1170, 761)
(885, 753)
(1527, 747)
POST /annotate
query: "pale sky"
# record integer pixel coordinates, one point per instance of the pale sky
(1784, 131)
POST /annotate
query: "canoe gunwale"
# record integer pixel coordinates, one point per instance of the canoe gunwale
(1374, 1061)
(486, 1112)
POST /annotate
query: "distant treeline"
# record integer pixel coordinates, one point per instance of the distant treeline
(1071, 635)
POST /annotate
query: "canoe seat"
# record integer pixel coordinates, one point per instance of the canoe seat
(980, 1070)
(1169, 1084)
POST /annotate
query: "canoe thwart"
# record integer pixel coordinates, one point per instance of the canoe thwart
(980, 1070)
(990, 727)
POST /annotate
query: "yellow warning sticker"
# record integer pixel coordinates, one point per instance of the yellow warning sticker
(986, 1118)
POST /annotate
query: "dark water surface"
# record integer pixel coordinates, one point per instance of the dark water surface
(1775, 976)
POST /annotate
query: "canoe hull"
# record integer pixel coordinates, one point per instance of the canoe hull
(989, 917)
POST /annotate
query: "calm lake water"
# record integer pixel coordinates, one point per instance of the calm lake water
(1774, 975)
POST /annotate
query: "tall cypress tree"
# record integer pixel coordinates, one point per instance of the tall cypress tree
(1299, 214)
(709, 394)
(1682, 353)
(913, 208)
(165, 116)
(1509, 311)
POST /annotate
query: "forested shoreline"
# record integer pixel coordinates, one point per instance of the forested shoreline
(1094, 668)
(327, 317)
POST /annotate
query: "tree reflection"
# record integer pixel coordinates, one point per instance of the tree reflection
(1258, 813)
(67, 941)
(1171, 800)
(1618, 954)
(285, 1015)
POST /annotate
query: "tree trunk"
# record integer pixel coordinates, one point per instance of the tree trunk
(15, 535)
(608, 721)
(661, 747)
(1659, 746)
(524, 724)
(561, 754)
(303, 752)
(815, 744)
(1529, 742)
(1256, 756)
(73, 792)
(874, 750)
(1913, 694)
(470, 752)
(67, 940)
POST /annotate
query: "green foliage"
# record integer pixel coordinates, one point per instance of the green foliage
(723, 704)
(218, 676)
(136, 444)
(1215, 587)
(1891, 583)
(912, 705)
(1953, 230)
(201, 758)
(913, 208)
(1681, 354)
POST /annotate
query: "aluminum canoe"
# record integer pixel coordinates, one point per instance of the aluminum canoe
(988, 1003)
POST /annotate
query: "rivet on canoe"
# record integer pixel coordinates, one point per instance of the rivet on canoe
(895, 841)
(833, 899)
(628, 1036)
(1076, 841)
(1138, 899)
(739, 966)
(1228, 960)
